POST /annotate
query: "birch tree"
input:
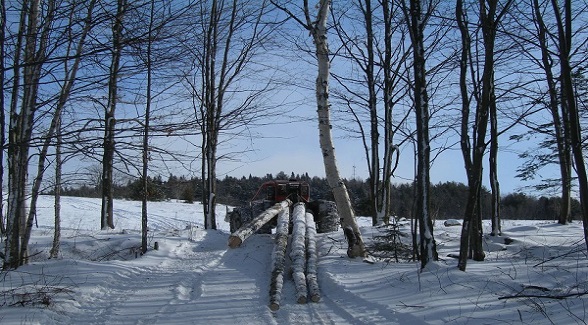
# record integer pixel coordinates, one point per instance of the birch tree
(70, 73)
(34, 33)
(317, 27)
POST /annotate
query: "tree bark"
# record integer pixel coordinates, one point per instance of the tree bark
(319, 34)
(21, 127)
(298, 252)
(279, 259)
(239, 236)
(145, 167)
(312, 259)
(569, 104)
(56, 245)
(563, 149)
(416, 23)
(107, 218)
(16, 193)
(62, 99)
(493, 163)
(465, 143)
(318, 30)
(471, 236)
(2, 111)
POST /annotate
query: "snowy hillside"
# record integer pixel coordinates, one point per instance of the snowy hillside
(194, 278)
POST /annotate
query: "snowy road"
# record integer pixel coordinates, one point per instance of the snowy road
(194, 278)
(200, 281)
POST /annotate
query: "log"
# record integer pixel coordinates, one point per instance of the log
(248, 229)
(312, 257)
(279, 259)
(298, 252)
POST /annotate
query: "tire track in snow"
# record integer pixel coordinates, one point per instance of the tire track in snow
(342, 294)
(133, 294)
(199, 280)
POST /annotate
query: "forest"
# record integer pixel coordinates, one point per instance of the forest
(447, 199)
(93, 90)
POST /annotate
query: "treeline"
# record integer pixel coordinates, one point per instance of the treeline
(447, 199)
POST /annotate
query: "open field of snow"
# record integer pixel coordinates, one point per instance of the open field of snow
(194, 278)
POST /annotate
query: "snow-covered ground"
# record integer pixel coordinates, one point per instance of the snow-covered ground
(194, 278)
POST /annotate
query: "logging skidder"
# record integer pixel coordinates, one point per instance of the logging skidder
(324, 212)
(237, 237)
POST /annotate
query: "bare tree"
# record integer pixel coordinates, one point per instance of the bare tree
(375, 91)
(106, 216)
(35, 34)
(471, 237)
(148, 95)
(227, 81)
(64, 94)
(56, 244)
(416, 20)
(559, 120)
(563, 19)
(317, 28)
(2, 112)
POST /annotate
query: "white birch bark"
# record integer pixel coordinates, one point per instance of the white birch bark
(319, 33)
(239, 236)
(279, 259)
(311, 259)
(298, 252)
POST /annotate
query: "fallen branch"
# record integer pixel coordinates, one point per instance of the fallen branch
(557, 297)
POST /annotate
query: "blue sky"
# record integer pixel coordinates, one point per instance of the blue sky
(298, 151)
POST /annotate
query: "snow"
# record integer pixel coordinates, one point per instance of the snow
(194, 278)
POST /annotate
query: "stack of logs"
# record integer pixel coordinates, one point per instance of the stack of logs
(303, 252)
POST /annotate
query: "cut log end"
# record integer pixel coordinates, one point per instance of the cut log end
(315, 298)
(274, 306)
(301, 300)
(234, 241)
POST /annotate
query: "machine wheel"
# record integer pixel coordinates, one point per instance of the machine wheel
(243, 215)
(326, 215)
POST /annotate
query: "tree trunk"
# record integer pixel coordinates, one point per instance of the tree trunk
(63, 97)
(107, 218)
(494, 184)
(298, 252)
(389, 149)
(563, 149)
(471, 236)
(16, 186)
(428, 247)
(55, 247)
(375, 175)
(239, 236)
(569, 104)
(319, 34)
(2, 112)
(312, 259)
(145, 169)
(279, 259)
(21, 126)
(464, 130)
